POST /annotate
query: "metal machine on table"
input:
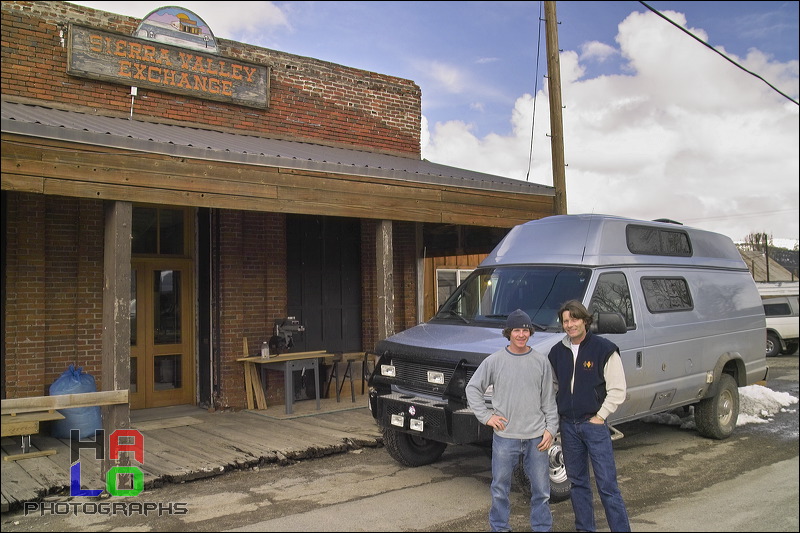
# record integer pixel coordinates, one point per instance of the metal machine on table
(282, 342)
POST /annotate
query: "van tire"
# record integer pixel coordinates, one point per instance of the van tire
(559, 483)
(791, 347)
(773, 345)
(715, 418)
(412, 450)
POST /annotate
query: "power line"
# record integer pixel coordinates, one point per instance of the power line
(693, 36)
(535, 91)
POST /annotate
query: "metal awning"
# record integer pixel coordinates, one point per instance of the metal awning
(137, 135)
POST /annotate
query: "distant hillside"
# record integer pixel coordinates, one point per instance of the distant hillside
(788, 259)
(781, 265)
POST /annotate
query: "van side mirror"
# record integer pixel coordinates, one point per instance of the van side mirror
(609, 323)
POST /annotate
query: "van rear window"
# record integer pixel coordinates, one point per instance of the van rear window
(666, 294)
(658, 241)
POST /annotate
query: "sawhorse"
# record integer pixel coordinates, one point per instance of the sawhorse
(349, 358)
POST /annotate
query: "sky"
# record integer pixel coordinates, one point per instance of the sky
(655, 123)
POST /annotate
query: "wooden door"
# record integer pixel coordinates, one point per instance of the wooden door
(162, 311)
(161, 334)
(324, 281)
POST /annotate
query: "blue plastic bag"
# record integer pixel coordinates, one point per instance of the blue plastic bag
(85, 419)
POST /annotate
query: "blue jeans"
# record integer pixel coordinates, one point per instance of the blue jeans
(505, 456)
(581, 441)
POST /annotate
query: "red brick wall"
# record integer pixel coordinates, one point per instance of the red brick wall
(252, 250)
(54, 290)
(309, 99)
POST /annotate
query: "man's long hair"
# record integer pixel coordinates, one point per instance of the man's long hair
(576, 310)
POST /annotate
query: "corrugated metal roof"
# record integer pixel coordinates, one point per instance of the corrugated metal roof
(131, 134)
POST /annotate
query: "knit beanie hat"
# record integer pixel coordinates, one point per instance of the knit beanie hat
(519, 319)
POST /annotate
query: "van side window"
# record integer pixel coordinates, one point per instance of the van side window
(777, 309)
(667, 294)
(658, 241)
(611, 295)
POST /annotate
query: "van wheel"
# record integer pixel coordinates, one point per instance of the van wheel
(716, 417)
(773, 345)
(559, 483)
(791, 347)
(412, 450)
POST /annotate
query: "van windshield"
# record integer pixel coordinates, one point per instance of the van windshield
(489, 295)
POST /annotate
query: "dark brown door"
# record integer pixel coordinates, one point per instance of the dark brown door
(324, 281)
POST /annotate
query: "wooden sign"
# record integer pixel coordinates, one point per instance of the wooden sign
(118, 58)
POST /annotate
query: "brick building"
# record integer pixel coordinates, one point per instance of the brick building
(161, 201)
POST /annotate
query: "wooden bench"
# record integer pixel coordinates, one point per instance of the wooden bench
(22, 416)
(24, 425)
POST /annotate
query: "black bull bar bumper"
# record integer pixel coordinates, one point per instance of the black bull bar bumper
(431, 419)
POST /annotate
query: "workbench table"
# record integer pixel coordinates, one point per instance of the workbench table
(286, 363)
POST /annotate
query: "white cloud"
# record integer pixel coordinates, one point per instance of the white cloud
(686, 135)
(596, 51)
(260, 18)
(448, 77)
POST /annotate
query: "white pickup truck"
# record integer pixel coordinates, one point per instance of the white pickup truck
(782, 324)
(781, 307)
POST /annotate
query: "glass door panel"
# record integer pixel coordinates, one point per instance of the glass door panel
(167, 372)
(167, 306)
(160, 346)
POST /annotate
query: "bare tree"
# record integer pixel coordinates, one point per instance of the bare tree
(758, 241)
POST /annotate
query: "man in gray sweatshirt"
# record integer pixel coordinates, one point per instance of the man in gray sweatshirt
(524, 417)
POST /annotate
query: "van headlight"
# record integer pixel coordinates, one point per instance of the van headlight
(388, 371)
(437, 378)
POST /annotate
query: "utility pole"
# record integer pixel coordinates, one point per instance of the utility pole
(556, 124)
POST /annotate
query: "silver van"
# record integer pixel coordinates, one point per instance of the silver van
(678, 301)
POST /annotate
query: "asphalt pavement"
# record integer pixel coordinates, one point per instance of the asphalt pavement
(746, 503)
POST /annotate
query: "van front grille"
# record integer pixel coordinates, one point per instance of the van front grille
(413, 376)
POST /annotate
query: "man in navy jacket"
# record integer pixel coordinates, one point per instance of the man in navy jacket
(591, 385)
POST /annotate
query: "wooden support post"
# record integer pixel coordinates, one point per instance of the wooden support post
(385, 278)
(116, 336)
